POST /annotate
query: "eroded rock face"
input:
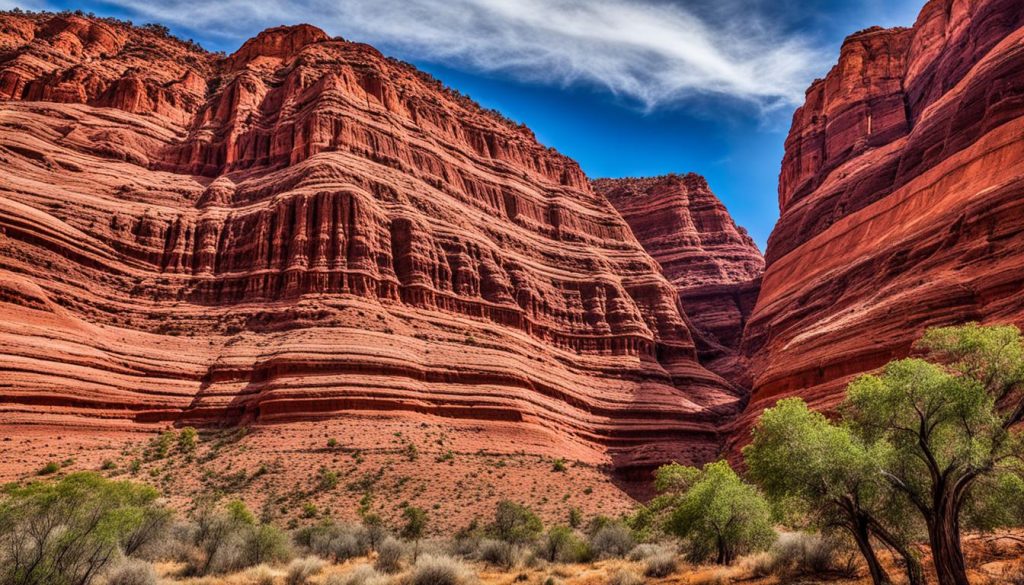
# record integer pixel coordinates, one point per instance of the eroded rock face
(902, 202)
(307, 228)
(713, 263)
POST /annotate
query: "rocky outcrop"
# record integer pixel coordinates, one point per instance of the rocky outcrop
(77, 60)
(306, 229)
(713, 263)
(901, 202)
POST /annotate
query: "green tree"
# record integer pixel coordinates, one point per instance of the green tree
(230, 538)
(415, 525)
(515, 523)
(820, 472)
(716, 512)
(560, 543)
(375, 529)
(67, 532)
(949, 427)
(265, 543)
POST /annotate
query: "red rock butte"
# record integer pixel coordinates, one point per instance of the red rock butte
(307, 230)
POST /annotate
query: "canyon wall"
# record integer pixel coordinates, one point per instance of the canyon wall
(902, 202)
(306, 229)
(713, 263)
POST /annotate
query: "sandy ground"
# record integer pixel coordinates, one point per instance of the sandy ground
(433, 463)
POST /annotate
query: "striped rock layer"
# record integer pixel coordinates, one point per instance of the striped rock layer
(306, 229)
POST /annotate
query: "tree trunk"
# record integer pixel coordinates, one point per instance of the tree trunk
(915, 573)
(863, 539)
(944, 538)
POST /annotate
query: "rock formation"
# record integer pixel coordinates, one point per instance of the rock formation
(714, 264)
(306, 229)
(307, 232)
(902, 202)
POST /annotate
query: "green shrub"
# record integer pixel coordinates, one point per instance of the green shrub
(375, 529)
(160, 446)
(389, 556)
(560, 543)
(327, 479)
(575, 518)
(415, 525)
(240, 513)
(309, 510)
(515, 523)
(89, 519)
(228, 540)
(335, 541)
(800, 554)
(497, 552)
(612, 540)
(265, 544)
(49, 469)
(187, 439)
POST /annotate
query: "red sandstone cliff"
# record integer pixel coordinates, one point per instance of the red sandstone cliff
(306, 229)
(902, 202)
(713, 263)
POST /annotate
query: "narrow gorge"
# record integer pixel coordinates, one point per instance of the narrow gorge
(311, 239)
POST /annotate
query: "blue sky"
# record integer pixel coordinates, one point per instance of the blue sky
(626, 87)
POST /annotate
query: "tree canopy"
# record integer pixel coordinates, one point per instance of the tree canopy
(66, 532)
(947, 420)
(819, 475)
(718, 514)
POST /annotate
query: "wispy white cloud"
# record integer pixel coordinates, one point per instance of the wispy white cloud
(22, 4)
(650, 51)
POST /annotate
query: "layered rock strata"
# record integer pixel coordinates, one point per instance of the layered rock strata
(902, 202)
(713, 263)
(306, 228)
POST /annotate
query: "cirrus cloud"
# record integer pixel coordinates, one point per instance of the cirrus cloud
(652, 52)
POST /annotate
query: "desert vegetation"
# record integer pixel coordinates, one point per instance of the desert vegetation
(921, 451)
(906, 483)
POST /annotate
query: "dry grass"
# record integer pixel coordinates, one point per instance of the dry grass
(1002, 569)
(300, 571)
